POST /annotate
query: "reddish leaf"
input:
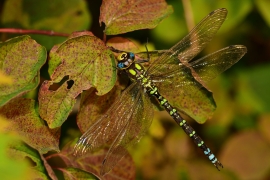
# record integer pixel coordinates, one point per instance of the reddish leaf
(122, 44)
(21, 58)
(123, 16)
(25, 120)
(93, 106)
(80, 33)
(48, 168)
(247, 155)
(124, 169)
(86, 62)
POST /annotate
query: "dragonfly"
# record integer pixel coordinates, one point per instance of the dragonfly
(130, 116)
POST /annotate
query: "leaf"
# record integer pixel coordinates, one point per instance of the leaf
(263, 5)
(124, 16)
(21, 59)
(85, 62)
(22, 113)
(28, 14)
(73, 173)
(237, 11)
(48, 168)
(247, 154)
(177, 145)
(11, 168)
(91, 163)
(93, 106)
(264, 125)
(257, 83)
(207, 171)
(175, 24)
(5, 79)
(123, 44)
(20, 151)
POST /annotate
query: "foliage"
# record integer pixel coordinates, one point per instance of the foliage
(38, 132)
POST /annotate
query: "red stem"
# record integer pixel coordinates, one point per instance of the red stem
(25, 31)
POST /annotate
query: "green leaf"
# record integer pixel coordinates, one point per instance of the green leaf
(63, 16)
(125, 16)
(85, 62)
(171, 29)
(25, 120)
(11, 168)
(237, 10)
(20, 151)
(198, 104)
(74, 173)
(263, 6)
(258, 83)
(20, 58)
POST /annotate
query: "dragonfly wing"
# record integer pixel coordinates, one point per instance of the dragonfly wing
(186, 93)
(192, 44)
(210, 66)
(138, 124)
(192, 97)
(107, 128)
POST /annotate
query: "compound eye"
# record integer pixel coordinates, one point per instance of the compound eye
(122, 56)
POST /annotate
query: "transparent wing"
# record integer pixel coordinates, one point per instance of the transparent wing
(137, 126)
(190, 45)
(210, 66)
(185, 93)
(192, 97)
(107, 128)
(122, 126)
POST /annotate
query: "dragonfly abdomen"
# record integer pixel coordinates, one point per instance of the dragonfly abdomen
(187, 128)
(137, 72)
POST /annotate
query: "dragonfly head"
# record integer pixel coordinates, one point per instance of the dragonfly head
(125, 59)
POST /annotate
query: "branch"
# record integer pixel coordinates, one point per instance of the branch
(188, 14)
(25, 31)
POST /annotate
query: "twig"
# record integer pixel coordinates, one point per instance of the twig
(188, 14)
(25, 31)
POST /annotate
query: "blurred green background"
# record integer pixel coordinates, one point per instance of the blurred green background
(239, 131)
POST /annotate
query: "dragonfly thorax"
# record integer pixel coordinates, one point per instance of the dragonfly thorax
(125, 60)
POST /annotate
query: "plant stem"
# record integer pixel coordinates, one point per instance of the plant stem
(26, 31)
